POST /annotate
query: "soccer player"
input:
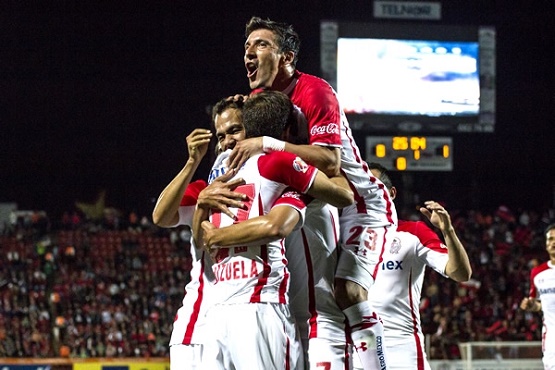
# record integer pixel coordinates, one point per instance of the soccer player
(542, 298)
(271, 52)
(397, 290)
(250, 323)
(175, 206)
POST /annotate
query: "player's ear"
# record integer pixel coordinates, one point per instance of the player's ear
(393, 192)
(288, 57)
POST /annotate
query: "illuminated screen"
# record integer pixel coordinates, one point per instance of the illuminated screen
(408, 77)
(400, 77)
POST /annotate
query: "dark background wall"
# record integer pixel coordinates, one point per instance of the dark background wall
(101, 95)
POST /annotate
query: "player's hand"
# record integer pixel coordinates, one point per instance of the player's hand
(243, 150)
(528, 304)
(237, 97)
(220, 194)
(198, 142)
(437, 215)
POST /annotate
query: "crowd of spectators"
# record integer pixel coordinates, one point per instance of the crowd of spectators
(111, 287)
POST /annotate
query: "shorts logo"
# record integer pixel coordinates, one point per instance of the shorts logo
(299, 165)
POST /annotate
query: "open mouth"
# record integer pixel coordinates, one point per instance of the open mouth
(252, 68)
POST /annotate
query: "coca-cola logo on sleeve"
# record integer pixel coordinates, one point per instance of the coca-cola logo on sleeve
(330, 128)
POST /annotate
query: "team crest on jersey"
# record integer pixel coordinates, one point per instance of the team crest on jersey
(395, 246)
(299, 165)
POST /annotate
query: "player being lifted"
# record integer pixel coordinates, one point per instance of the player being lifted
(271, 52)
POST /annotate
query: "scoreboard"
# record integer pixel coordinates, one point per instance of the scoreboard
(411, 153)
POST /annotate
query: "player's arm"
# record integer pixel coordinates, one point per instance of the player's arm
(458, 265)
(335, 191)
(326, 159)
(275, 225)
(165, 213)
(531, 304)
(199, 216)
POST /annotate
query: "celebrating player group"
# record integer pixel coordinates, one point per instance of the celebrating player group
(300, 261)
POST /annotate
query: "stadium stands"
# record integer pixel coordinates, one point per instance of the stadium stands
(84, 289)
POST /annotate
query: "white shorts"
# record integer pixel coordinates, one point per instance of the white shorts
(362, 251)
(549, 360)
(251, 336)
(548, 346)
(330, 355)
(185, 357)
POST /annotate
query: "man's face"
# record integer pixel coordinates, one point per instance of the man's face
(229, 128)
(550, 243)
(262, 58)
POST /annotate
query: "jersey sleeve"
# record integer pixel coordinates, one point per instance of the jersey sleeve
(534, 293)
(293, 199)
(433, 258)
(189, 201)
(320, 106)
(430, 250)
(425, 235)
(288, 169)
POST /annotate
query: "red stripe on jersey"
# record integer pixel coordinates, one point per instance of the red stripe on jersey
(196, 306)
(312, 321)
(285, 281)
(334, 228)
(376, 269)
(419, 350)
(287, 353)
(385, 196)
(256, 298)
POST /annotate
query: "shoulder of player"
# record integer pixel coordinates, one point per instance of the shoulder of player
(406, 241)
(276, 162)
(312, 85)
(422, 231)
(411, 226)
(541, 268)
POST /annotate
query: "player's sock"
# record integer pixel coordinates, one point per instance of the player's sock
(367, 335)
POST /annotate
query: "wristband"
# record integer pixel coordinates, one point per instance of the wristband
(269, 145)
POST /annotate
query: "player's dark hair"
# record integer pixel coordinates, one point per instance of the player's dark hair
(384, 174)
(549, 228)
(286, 37)
(227, 103)
(267, 113)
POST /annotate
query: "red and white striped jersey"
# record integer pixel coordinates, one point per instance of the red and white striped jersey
(327, 125)
(542, 287)
(259, 273)
(397, 289)
(187, 319)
